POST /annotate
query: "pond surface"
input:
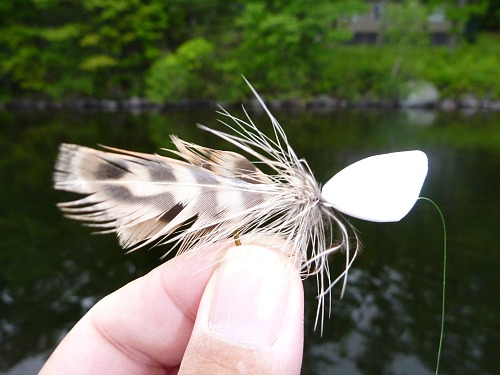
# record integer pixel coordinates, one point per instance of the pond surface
(52, 270)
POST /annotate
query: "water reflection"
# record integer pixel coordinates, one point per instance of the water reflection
(380, 324)
(52, 270)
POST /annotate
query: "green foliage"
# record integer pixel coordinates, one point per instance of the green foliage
(461, 11)
(405, 24)
(469, 70)
(172, 50)
(355, 72)
(98, 62)
(23, 67)
(490, 19)
(122, 39)
(102, 44)
(181, 74)
(281, 40)
(463, 15)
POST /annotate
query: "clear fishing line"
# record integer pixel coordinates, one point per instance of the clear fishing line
(440, 347)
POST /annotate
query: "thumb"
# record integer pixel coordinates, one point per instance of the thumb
(251, 317)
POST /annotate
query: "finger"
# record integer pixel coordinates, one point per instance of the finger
(144, 325)
(250, 320)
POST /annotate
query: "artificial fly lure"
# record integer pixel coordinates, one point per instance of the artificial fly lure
(211, 195)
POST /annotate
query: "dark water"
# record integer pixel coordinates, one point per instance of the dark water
(52, 270)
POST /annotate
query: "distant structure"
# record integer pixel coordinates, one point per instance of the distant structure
(366, 26)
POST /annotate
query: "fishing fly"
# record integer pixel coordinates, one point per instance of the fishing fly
(207, 195)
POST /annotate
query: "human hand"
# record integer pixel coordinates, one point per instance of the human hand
(194, 315)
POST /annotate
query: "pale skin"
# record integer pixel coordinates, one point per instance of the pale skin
(227, 310)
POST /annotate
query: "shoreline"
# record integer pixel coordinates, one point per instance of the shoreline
(320, 103)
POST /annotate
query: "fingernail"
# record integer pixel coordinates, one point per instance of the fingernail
(251, 296)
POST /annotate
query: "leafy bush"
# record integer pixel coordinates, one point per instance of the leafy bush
(287, 49)
(181, 74)
(468, 70)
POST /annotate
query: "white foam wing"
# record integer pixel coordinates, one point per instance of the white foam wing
(380, 188)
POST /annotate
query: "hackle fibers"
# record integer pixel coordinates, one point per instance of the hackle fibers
(210, 195)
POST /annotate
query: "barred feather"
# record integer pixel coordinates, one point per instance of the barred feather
(151, 199)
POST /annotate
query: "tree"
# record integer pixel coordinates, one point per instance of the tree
(279, 41)
(462, 14)
(181, 74)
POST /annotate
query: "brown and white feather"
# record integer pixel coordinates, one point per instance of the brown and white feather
(148, 199)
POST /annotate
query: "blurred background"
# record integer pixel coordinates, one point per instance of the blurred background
(346, 79)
